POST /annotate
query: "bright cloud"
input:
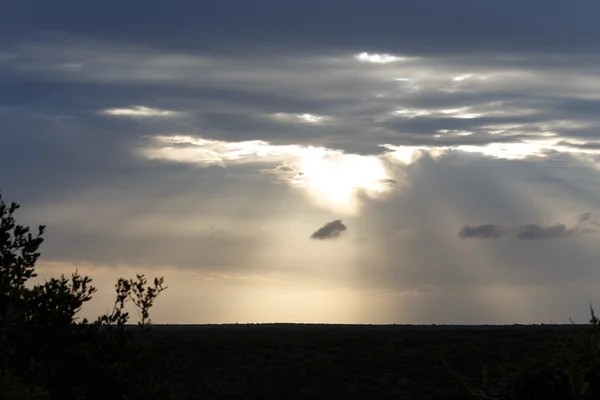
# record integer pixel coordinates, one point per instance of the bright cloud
(140, 112)
(300, 118)
(379, 58)
(492, 109)
(462, 77)
(331, 178)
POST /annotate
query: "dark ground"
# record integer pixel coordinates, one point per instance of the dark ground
(287, 361)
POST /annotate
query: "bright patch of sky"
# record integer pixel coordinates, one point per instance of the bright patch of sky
(140, 112)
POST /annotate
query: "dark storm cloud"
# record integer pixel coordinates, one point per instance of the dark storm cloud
(330, 230)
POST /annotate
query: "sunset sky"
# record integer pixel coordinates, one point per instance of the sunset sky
(389, 161)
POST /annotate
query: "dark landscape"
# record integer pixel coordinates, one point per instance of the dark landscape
(297, 361)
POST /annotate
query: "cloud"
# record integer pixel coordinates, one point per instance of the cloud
(516, 110)
(589, 219)
(536, 232)
(586, 223)
(301, 118)
(236, 116)
(140, 112)
(482, 231)
(329, 177)
(378, 58)
(330, 230)
(383, 26)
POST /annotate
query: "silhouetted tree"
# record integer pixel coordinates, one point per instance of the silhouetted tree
(45, 352)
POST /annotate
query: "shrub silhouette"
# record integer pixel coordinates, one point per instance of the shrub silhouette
(570, 371)
(13, 389)
(46, 353)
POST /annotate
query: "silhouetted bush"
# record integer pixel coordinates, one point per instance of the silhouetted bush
(570, 371)
(46, 353)
(14, 389)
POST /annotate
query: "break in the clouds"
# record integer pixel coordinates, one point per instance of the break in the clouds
(132, 133)
(330, 230)
(586, 223)
(140, 112)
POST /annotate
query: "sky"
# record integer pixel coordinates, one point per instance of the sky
(315, 161)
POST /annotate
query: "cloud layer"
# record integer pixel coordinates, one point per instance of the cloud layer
(207, 140)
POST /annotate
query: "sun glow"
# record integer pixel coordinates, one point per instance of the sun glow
(378, 58)
(335, 181)
(330, 178)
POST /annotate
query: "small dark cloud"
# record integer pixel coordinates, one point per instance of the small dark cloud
(486, 231)
(589, 219)
(330, 230)
(537, 232)
(586, 223)
(285, 168)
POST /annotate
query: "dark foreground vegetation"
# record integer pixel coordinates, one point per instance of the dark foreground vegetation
(46, 352)
(374, 362)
